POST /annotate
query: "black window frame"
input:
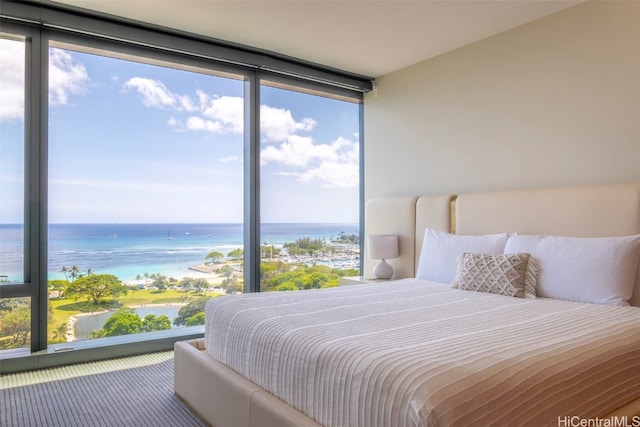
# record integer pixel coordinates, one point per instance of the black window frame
(42, 23)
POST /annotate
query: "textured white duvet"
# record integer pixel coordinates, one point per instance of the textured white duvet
(416, 353)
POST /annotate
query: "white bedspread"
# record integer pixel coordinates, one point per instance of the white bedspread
(416, 353)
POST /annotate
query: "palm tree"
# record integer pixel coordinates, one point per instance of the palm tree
(61, 332)
(64, 270)
(74, 273)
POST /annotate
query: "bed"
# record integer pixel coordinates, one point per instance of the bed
(415, 351)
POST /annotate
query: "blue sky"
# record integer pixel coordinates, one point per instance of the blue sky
(131, 142)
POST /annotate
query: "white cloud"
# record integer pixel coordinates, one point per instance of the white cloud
(197, 123)
(298, 151)
(66, 77)
(226, 111)
(228, 159)
(335, 164)
(214, 114)
(11, 79)
(219, 114)
(306, 124)
(226, 114)
(277, 124)
(334, 174)
(156, 94)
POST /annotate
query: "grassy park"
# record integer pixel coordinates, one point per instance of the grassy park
(296, 266)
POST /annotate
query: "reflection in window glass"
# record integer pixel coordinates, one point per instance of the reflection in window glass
(145, 194)
(309, 184)
(12, 71)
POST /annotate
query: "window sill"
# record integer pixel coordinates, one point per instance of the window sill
(95, 349)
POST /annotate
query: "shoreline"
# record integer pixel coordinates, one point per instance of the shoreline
(209, 271)
(203, 275)
(70, 335)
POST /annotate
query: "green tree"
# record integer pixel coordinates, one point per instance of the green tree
(96, 287)
(226, 270)
(200, 284)
(133, 289)
(17, 323)
(74, 272)
(305, 245)
(186, 284)
(123, 322)
(287, 286)
(151, 323)
(293, 248)
(194, 307)
(58, 285)
(98, 334)
(195, 320)
(275, 276)
(236, 254)
(6, 304)
(231, 285)
(270, 270)
(60, 334)
(159, 281)
(269, 251)
(215, 256)
(348, 238)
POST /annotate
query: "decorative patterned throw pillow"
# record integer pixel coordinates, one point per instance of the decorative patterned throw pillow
(505, 274)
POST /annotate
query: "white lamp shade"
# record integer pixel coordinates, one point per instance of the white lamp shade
(383, 246)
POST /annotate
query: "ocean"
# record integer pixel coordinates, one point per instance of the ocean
(129, 250)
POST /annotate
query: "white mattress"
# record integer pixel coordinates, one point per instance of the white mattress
(417, 353)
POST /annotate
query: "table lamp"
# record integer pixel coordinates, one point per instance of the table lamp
(383, 247)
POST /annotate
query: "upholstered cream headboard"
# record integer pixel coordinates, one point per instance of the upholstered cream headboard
(586, 211)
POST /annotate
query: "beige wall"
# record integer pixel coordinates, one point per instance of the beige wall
(555, 102)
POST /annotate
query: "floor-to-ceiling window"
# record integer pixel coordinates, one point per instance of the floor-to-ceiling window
(309, 189)
(127, 184)
(145, 193)
(15, 313)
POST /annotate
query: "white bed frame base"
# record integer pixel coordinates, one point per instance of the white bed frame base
(223, 398)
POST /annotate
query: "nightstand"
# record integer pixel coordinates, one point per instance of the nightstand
(358, 280)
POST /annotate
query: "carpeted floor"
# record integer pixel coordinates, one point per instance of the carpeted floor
(131, 391)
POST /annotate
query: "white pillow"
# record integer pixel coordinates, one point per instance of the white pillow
(599, 270)
(440, 251)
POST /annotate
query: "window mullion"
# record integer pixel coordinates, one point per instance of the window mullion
(252, 184)
(36, 185)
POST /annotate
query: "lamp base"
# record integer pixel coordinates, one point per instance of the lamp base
(382, 270)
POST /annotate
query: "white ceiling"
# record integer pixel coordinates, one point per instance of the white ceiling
(371, 38)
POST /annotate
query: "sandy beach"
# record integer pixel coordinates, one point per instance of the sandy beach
(198, 271)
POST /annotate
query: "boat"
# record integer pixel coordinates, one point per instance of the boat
(169, 236)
